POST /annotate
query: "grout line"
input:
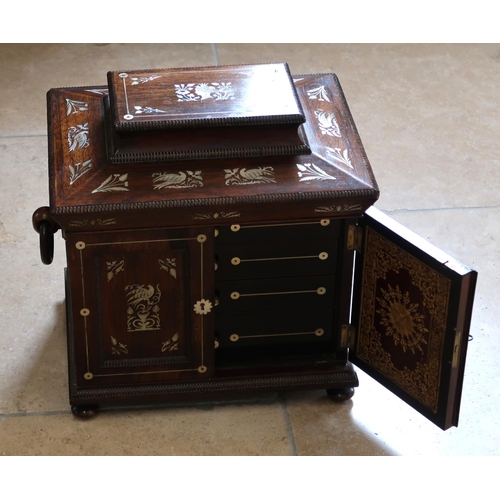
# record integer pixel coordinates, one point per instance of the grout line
(21, 136)
(35, 414)
(443, 209)
(288, 424)
(216, 54)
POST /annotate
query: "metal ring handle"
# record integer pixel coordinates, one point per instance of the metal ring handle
(46, 242)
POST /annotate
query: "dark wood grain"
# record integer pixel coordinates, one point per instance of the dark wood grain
(208, 215)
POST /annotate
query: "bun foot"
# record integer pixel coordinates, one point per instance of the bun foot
(85, 412)
(339, 395)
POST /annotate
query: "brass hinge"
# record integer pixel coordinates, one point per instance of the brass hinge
(354, 238)
(456, 349)
(347, 336)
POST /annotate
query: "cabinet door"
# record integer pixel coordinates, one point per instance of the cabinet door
(412, 307)
(141, 306)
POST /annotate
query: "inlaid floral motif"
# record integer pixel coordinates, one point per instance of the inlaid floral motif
(114, 268)
(318, 93)
(136, 80)
(115, 182)
(98, 91)
(311, 172)
(78, 137)
(401, 319)
(117, 347)
(171, 344)
(147, 110)
(168, 265)
(217, 215)
(73, 107)
(143, 310)
(179, 180)
(343, 157)
(93, 222)
(327, 123)
(78, 169)
(260, 175)
(338, 208)
(190, 92)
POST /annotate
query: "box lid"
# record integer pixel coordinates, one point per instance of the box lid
(219, 111)
(333, 178)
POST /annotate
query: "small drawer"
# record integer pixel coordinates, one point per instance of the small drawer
(279, 249)
(250, 233)
(267, 259)
(275, 293)
(277, 327)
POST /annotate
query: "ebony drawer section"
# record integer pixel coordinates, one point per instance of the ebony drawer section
(275, 293)
(283, 327)
(275, 250)
(251, 233)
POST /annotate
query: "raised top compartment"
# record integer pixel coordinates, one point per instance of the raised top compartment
(208, 112)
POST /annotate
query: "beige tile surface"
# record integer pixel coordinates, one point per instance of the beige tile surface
(28, 71)
(427, 115)
(375, 422)
(238, 430)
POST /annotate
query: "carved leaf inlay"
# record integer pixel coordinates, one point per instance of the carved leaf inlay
(73, 107)
(115, 182)
(342, 157)
(311, 172)
(168, 265)
(78, 169)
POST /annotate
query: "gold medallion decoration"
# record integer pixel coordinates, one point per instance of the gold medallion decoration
(403, 321)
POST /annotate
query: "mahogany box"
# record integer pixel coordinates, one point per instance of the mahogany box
(221, 241)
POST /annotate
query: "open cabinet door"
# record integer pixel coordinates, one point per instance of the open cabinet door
(412, 307)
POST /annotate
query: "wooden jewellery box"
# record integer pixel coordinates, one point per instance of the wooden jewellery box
(220, 241)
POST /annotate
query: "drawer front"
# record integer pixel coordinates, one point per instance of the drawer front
(276, 293)
(250, 233)
(274, 250)
(275, 259)
(278, 327)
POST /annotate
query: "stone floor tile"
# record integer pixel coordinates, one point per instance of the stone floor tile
(428, 119)
(229, 430)
(427, 115)
(472, 237)
(28, 71)
(324, 428)
(33, 360)
(375, 422)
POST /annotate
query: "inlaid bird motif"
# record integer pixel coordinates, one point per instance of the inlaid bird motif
(78, 137)
(143, 310)
(259, 175)
(177, 180)
(139, 293)
(328, 123)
